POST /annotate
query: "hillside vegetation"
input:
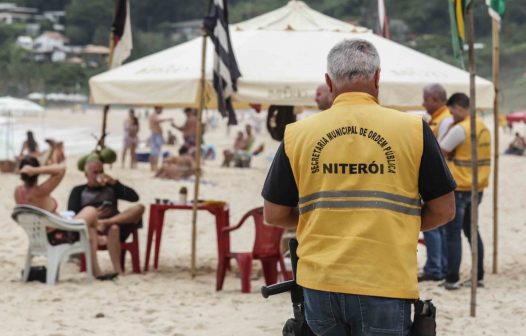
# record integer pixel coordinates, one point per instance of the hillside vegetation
(422, 25)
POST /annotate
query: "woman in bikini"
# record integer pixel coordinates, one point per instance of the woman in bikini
(39, 195)
(131, 138)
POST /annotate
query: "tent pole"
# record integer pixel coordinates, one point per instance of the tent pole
(496, 83)
(474, 159)
(198, 152)
(106, 108)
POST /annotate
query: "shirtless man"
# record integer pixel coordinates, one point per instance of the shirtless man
(156, 139)
(177, 167)
(189, 129)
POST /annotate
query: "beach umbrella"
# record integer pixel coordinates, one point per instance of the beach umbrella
(19, 107)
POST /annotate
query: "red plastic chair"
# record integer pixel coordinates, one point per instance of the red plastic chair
(131, 246)
(266, 249)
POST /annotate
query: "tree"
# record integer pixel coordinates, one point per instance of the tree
(84, 17)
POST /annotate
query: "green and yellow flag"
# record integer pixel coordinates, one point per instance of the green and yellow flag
(496, 8)
(458, 33)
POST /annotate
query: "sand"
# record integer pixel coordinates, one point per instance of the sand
(169, 302)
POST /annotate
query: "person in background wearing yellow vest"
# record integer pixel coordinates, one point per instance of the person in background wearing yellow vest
(351, 178)
(456, 146)
(435, 268)
(322, 98)
(435, 98)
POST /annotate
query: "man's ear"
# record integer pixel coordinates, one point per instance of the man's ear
(377, 78)
(328, 81)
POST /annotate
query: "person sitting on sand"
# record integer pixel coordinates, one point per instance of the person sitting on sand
(39, 195)
(517, 146)
(242, 149)
(177, 167)
(102, 192)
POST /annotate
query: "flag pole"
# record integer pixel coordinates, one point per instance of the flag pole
(198, 152)
(474, 159)
(496, 83)
(106, 108)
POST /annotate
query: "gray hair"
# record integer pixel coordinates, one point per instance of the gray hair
(353, 59)
(436, 90)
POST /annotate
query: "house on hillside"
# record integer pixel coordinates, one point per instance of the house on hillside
(49, 41)
(50, 46)
(25, 42)
(11, 13)
(95, 56)
(57, 18)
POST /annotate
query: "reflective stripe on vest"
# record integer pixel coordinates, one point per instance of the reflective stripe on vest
(407, 208)
(467, 163)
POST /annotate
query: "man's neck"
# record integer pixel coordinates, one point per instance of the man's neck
(359, 86)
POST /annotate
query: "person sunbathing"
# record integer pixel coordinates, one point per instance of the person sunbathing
(177, 167)
(517, 146)
(242, 151)
(39, 195)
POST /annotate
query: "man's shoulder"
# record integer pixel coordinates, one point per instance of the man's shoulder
(312, 119)
(119, 184)
(401, 115)
(79, 187)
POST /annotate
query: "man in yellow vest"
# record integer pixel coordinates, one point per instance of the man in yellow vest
(456, 146)
(322, 98)
(435, 268)
(435, 99)
(352, 179)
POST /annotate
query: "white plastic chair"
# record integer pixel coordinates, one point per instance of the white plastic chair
(35, 221)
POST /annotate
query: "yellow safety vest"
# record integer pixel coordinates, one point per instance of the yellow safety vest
(437, 118)
(459, 162)
(356, 166)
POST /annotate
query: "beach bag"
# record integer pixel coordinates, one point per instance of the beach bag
(37, 273)
(424, 323)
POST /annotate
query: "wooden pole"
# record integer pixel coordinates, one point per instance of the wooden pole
(198, 152)
(474, 159)
(106, 108)
(495, 27)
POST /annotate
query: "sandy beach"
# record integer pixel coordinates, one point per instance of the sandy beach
(169, 302)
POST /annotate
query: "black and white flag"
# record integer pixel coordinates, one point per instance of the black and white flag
(122, 36)
(226, 71)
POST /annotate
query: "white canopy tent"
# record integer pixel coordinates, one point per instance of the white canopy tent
(282, 59)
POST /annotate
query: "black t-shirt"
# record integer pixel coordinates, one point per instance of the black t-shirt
(434, 179)
(83, 195)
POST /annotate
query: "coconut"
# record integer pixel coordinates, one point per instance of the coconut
(81, 163)
(108, 155)
(93, 156)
